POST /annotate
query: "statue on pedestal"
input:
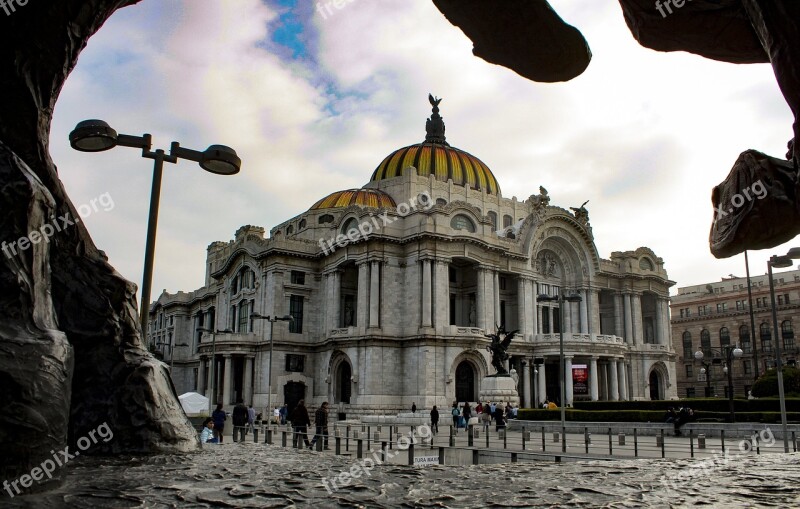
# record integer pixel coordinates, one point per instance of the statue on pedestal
(499, 349)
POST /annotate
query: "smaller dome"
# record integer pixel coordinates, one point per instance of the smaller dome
(362, 197)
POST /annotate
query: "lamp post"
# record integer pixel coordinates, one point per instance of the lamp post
(753, 342)
(780, 262)
(171, 352)
(271, 320)
(563, 381)
(212, 374)
(729, 353)
(98, 136)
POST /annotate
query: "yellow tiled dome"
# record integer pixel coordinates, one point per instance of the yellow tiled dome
(436, 157)
(362, 197)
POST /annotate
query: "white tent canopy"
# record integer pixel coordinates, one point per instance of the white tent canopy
(194, 403)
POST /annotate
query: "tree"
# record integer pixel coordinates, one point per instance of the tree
(767, 384)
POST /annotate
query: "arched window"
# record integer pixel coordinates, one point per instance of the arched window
(350, 224)
(705, 342)
(744, 339)
(325, 218)
(289, 230)
(441, 201)
(766, 338)
(724, 337)
(507, 221)
(302, 223)
(244, 280)
(493, 219)
(687, 345)
(462, 222)
(645, 264)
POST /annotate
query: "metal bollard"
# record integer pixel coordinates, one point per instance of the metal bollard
(359, 448)
(269, 436)
(470, 437)
(384, 454)
(514, 457)
(255, 435)
(441, 455)
(391, 440)
(411, 453)
(587, 437)
(701, 441)
(319, 439)
(338, 445)
(621, 440)
(283, 439)
(452, 438)
(476, 457)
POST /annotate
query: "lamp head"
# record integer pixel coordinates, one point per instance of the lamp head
(287, 318)
(780, 262)
(221, 160)
(698, 355)
(725, 369)
(93, 136)
(737, 352)
(794, 253)
(702, 371)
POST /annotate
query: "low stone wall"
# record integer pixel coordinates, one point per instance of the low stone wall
(734, 430)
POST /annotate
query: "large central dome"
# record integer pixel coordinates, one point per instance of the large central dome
(436, 157)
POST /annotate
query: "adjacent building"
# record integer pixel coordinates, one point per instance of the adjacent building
(393, 287)
(712, 317)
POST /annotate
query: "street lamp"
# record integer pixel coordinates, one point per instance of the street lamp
(271, 320)
(561, 299)
(97, 136)
(780, 262)
(729, 353)
(212, 374)
(171, 352)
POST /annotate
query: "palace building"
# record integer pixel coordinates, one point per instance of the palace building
(393, 287)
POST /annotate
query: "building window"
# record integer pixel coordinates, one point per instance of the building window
(493, 219)
(544, 289)
(295, 363)
(507, 221)
(289, 230)
(302, 223)
(244, 316)
(296, 312)
(689, 371)
(502, 282)
(788, 335)
(747, 368)
(325, 218)
(646, 264)
(705, 342)
(703, 310)
(766, 338)
(687, 345)
(786, 298)
(724, 337)
(744, 339)
(232, 318)
(722, 307)
(298, 277)
(350, 224)
(462, 222)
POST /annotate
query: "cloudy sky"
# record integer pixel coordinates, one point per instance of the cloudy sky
(313, 103)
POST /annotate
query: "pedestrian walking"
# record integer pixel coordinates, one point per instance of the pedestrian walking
(239, 418)
(456, 415)
(300, 423)
(413, 408)
(321, 423)
(251, 419)
(499, 417)
(435, 420)
(219, 416)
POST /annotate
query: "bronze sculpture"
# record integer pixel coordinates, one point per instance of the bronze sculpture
(499, 349)
(528, 37)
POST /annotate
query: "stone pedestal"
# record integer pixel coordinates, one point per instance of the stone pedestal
(499, 389)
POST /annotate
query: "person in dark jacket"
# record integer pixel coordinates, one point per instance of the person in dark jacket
(434, 420)
(300, 423)
(239, 419)
(219, 416)
(500, 417)
(321, 423)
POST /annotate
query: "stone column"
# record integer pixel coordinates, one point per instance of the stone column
(593, 379)
(374, 294)
(496, 297)
(567, 315)
(426, 293)
(227, 381)
(532, 307)
(623, 386)
(248, 381)
(480, 300)
(336, 299)
(659, 326)
(568, 389)
(362, 305)
(614, 381)
(595, 325)
(522, 307)
(584, 311)
(638, 326)
(667, 333)
(550, 314)
(542, 383)
(441, 296)
(628, 319)
(602, 381)
(526, 384)
(619, 329)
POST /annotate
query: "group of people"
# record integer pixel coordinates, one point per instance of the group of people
(245, 418)
(485, 413)
(679, 417)
(301, 421)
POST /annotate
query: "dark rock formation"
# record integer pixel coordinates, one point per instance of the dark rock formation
(529, 37)
(71, 354)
